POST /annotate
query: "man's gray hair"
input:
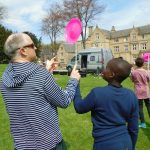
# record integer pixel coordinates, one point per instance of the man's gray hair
(14, 42)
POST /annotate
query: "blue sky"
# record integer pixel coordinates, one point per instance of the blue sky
(26, 15)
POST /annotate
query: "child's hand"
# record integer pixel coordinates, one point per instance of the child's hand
(75, 73)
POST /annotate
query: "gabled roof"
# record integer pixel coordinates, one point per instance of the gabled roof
(123, 33)
(107, 33)
(144, 29)
(120, 33)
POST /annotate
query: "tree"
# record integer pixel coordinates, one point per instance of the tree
(36, 41)
(52, 25)
(4, 33)
(2, 12)
(85, 10)
(47, 51)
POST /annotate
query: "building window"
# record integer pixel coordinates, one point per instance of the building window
(62, 60)
(134, 46)
(96, 44)
(92, 58)
(143, 37)
(97, 36)
(116, 48)
(61, 53)
(125, 39)
(116, 40)
(126, 48)
(143, 46)
(133, 36)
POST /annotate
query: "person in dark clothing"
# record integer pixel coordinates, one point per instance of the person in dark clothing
(114, 109)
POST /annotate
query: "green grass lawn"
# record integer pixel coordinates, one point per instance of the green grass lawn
(76, 129)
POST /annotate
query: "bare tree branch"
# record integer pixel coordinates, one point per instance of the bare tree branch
(85, 10)
(52, 24)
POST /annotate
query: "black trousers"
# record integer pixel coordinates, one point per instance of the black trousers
(141, 113)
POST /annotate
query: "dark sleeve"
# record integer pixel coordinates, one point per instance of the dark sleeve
(56, 95)
(83, 105)
(133, 122)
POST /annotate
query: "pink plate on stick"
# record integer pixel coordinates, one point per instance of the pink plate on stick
(73, 30)
(146, 57)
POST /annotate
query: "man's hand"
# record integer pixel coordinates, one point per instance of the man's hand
(75, 73)
(52, 64)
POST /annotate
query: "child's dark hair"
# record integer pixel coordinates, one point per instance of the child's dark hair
(121, 68)
(139, 62)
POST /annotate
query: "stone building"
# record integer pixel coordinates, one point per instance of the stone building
(65, 53)
(127, 43)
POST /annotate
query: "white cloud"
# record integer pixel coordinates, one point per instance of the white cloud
(18, 24)
(134, 14)
(24, 13)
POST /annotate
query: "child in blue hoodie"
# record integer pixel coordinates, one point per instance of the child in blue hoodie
(114, 109)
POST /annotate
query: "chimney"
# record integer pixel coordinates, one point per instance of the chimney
(113, 29)
(90, 30)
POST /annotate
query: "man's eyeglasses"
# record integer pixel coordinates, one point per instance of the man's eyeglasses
(29, 46)
(32, 46)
